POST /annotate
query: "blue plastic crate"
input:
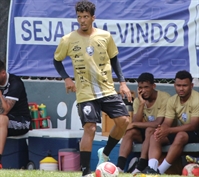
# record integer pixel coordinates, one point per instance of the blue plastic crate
(15, 154)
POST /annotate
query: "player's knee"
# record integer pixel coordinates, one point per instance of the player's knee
(4, 121)
(126, 120)
(128, 134)
(149, 131)
(90, 128)
(181, 138)
(122, 122)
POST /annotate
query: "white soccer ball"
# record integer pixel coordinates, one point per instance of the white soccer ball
(191, 169)
(106, 169)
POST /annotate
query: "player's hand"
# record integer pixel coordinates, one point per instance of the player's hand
(124, 90)
(130, 126)
(70, 85)
(140, 93)
(161, 132)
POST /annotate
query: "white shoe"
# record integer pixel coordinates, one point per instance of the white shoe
(102, 158)
(132, 164)
(89, 175)
(136, 171)
(120, 171)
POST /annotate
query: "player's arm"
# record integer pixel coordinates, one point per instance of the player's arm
(69, 84)
(192, 126)
(118, 71)
(153, 124)
(60, 69)
(5, 104)
(138, 110)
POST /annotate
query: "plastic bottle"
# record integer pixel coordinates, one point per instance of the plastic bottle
(43, 114)
(34, 114)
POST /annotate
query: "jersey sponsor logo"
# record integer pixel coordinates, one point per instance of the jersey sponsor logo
(102, 58)
(76, 48)
(104, 73)
(79, 60)
(81, 68)
(90, 50)
(81, 72)
(102, 64)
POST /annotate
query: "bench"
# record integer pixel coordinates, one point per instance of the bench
(189, 148)
(177, 166)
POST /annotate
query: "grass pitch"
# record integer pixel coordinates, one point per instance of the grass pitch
(39, 173)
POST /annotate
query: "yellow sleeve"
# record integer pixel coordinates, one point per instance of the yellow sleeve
(135, 106)
(162, 110)
(112, 48)
(62, 50)
(170, 109)
(195, 105)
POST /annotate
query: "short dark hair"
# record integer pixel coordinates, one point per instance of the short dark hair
(85, 5)
(2, 66)
(183, 75)
(146, 77)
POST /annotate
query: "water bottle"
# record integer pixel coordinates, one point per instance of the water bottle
(34, 115)
(43, 114)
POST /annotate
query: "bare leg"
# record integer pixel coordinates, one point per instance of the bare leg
(3, 131)
(88, 136)
(155, 148)
(126, 146)
(119, 128)
(174, 152)
(143, 161)
(116, 134)
(86, 147)
(127, 141)
(145, 144)
(177, 146)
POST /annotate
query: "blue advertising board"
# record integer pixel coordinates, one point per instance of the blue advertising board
(157, 36)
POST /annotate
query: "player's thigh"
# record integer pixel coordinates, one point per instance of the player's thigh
(136, 134)
(89, 112)
(18, 125)
(114, 106)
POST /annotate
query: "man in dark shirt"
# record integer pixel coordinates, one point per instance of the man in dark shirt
(15, 116)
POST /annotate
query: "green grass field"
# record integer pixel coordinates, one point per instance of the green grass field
(38, 173)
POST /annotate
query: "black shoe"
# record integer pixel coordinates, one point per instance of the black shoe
(132, 165)
(149, 170)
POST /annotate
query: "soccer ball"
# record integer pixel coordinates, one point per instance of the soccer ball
(107, 169)
(191, 169)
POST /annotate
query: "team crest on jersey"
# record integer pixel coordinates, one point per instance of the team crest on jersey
(90, 50)
(151, 118)
(87, 110)
(184, 117)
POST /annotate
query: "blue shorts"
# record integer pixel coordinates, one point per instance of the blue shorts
(112, 105)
